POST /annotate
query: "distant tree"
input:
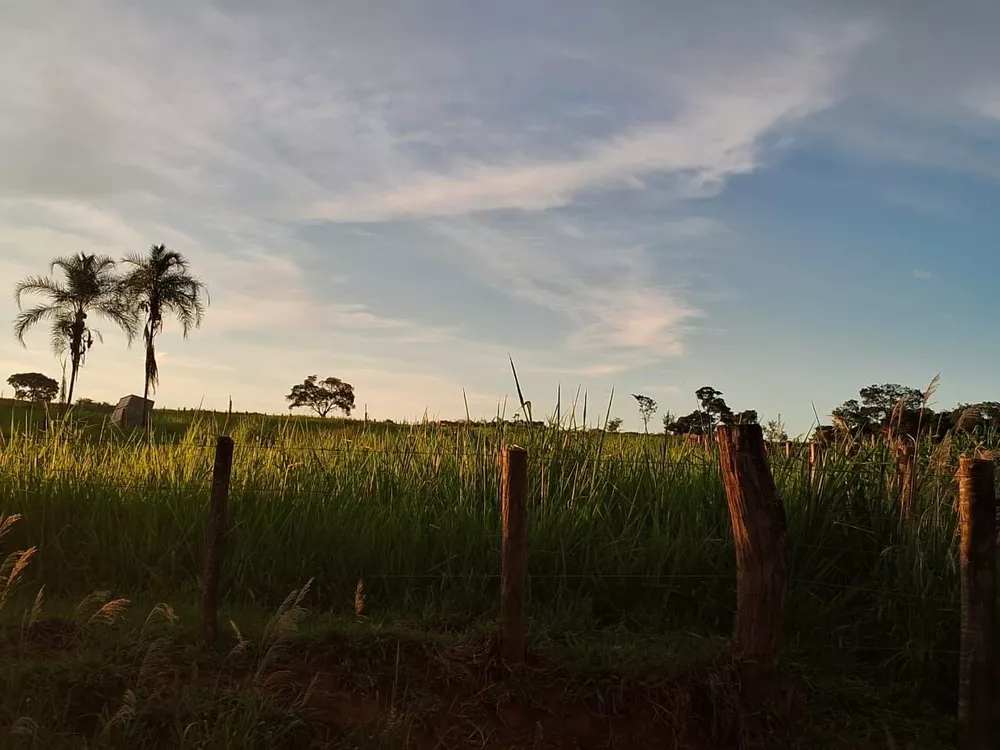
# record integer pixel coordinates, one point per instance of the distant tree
(159, 284)
(33, 386)
(774, 431)
(981, 417)
(89, 287)
(824, 434)
(714, 406)
(89, 402)
(881, 408)
(323, 396)
(647, 408)
(614, 424)
(714, 411)
(668, 421)
(695, 423)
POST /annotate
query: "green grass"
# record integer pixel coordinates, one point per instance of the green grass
(628, 534)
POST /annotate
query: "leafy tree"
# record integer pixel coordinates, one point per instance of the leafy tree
(33, 386)
(714, 411)
(713, 405)
(614, 424)
(824, 434)
(91, 403)
(981, 417)
(323, 396)
(881, 407)
(159, 284)
(89, 287)
(774, 431)
(647, 408)
(668, 421)
(694, 423)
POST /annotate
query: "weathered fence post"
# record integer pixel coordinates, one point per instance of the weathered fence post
(514, 554)
(788, 449)
(760, 531)
(215, 544)
(977, 671)
(815, 463)
(905, 477)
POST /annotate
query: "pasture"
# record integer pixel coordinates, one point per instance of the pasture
(394, 532)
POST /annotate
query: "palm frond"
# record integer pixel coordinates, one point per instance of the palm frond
(29, 318)
(42, 286)
(152, 369)
(61, 333)
(119, 313)
(159, 284)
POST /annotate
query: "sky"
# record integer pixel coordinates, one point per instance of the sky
(784, 200)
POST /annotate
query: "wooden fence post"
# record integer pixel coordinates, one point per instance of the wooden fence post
(215, 544)
(788, 449)
(977, 671)
(760, 531)
(514, 555)
(815, 462)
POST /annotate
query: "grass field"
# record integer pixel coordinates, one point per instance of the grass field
(630, 561)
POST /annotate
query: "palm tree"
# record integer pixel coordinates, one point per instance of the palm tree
(159, 284)
(90, 287)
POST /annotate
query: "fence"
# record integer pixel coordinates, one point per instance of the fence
(760, 532)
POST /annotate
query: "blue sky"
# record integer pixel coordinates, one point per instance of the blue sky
(787, 201)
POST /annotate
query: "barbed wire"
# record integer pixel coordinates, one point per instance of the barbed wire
(26, 440)
(292, 486)
(652, 459)
(105, 487)
(493, 455)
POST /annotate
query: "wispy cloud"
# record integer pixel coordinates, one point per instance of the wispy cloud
(620, 312)
(715, 135)
(924, 275)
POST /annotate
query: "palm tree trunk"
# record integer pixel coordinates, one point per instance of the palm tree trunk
(76, 353)
(150, 363)
(72, 381)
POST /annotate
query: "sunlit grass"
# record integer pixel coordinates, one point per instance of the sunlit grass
(625, 530)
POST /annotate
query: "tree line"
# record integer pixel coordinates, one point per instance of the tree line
(891, 409)
(159, 284)
(881, 410)
(86, 287)
(713, 411)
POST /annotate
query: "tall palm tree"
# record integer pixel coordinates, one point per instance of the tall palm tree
(160, 284)
(89, 287)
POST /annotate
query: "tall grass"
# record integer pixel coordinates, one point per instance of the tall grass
(625, 530)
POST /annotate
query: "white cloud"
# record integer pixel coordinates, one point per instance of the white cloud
(715, 136)
(618, 310)
(919, 274)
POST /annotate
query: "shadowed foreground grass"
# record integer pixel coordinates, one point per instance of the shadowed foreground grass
(102, 674)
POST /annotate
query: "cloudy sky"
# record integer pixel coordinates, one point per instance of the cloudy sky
(784, 200)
